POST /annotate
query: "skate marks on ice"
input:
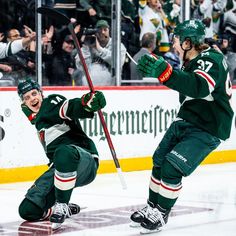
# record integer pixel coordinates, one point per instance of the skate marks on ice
(87, 220)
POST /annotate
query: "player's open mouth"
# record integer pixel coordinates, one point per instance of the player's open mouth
(35, 104)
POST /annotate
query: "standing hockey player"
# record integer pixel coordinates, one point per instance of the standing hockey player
(73, 157)
(204, 119)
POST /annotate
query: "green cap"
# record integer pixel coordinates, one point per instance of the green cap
(102, 23)
(27, 85)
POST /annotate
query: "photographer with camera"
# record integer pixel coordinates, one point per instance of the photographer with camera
(97, 51)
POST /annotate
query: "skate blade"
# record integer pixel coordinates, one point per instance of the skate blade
(56, 226)
(148, 231)
(134, 224)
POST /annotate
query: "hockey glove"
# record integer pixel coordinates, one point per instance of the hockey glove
(93, 101)
(153, 66)
(29, 114)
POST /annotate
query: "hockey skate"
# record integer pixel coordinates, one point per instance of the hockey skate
(61, 211)
(138, 216)
(74, 209)
(156, 219)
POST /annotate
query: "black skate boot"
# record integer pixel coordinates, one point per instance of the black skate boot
(74, 209)
(138, 216)
(155, 220)
(61, 211)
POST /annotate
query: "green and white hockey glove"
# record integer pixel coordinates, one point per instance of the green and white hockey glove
(29, 114)
(93, 101)
(153, 66)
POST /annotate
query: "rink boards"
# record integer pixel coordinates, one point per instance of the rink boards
(136, 117)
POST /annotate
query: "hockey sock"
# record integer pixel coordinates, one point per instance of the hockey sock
(66, 160)
(170, 186)
(154, 185)
(64, 184)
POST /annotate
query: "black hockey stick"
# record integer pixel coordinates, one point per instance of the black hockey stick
(63, 19)
(54, 14)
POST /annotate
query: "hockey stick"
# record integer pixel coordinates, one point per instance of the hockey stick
(131, 58)
(52, 13)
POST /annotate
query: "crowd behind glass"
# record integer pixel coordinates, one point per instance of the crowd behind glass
(146, 27)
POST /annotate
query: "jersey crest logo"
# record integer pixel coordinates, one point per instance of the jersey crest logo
(192, 24)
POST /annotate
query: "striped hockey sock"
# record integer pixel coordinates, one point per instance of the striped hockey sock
(64, 184)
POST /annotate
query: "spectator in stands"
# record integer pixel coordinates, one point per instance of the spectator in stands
(13, 34)
(22, 63)
(47, 41)
(148, 44)
(97, 51)
(172, 11)
(229, 24)
(204, 13)
(172, 58)
(152, 19)
(7, 49)
(61, 65)
(219, 8)
(97, 10)
(10, 48)
(230, 56)
(3, 67)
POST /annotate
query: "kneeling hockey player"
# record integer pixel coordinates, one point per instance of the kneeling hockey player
(72, 154)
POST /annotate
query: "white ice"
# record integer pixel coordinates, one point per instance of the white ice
(211, 187)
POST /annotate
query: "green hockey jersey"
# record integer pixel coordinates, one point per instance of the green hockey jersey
(57, 123)
(205, 93)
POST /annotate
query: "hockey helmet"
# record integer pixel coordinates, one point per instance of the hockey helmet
(27, 85)
(193, 30)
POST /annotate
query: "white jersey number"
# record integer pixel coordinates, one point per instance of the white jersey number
(228, 88)
(204, 65)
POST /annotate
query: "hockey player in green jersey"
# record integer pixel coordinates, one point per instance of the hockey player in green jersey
(73, 157)
(203, 121)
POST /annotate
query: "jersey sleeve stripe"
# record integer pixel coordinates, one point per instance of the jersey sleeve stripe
(63, 110)
(208, 78)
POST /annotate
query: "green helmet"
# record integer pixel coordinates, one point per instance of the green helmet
(27, 85)
(191, 29)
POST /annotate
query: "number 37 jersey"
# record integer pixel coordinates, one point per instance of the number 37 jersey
(205, 93)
